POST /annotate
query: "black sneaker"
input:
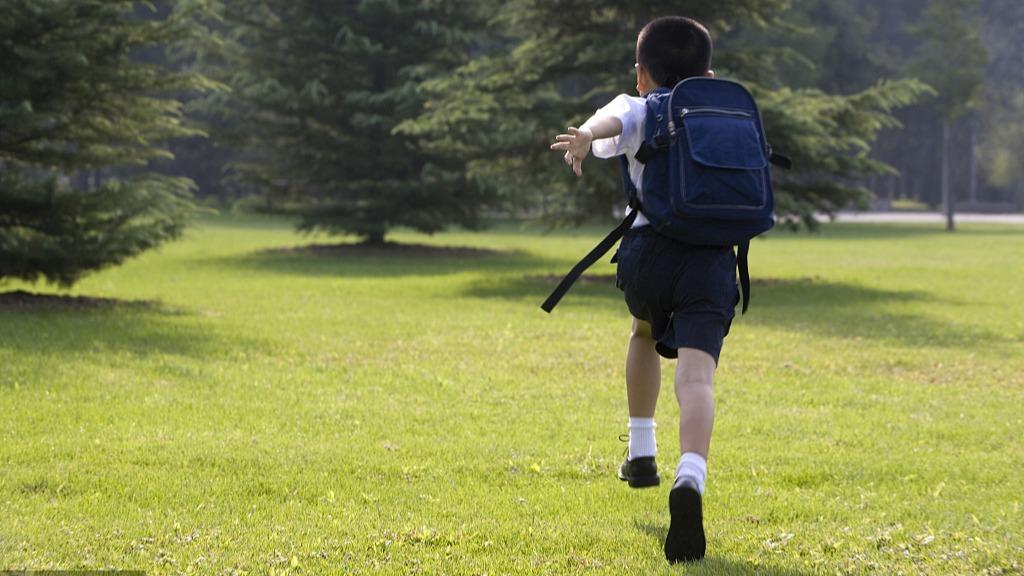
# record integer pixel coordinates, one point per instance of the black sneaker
(640, 472)
(685, 540)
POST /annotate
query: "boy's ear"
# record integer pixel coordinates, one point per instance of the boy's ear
(643, 80)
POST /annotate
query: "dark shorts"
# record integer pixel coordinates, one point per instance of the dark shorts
(687, 293)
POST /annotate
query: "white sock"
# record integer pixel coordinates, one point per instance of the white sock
(641, 438)
(694, 467)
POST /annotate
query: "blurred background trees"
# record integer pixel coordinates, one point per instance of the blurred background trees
(951, 58)
(564, 59)
(317, 89)
(843, 87)
(357, 117)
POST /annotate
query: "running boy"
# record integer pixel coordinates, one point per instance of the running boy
(682, 297)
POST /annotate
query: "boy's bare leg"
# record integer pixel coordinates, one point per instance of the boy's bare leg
(643, 372)
(685, 539)
(643, 382)
(694, 373)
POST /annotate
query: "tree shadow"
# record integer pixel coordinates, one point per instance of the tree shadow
(854, 311)
(589, 291)
(717, 565)
(854, 231)
(392, 260)
(29, 301)
(832, 309)
(55, 326)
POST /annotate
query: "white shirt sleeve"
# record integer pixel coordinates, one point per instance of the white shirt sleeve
(631, 111)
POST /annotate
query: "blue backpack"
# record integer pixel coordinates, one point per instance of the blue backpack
(706, 176)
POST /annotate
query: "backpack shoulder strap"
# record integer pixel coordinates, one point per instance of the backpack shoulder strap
(656, 140)
(628, 188)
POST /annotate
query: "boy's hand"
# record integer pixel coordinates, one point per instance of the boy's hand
(576, 145)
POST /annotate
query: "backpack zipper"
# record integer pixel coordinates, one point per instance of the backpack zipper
(704, 110)
(718, 111)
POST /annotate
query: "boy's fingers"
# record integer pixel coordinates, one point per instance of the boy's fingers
(574, 131)
(568, 158)
(565, 138)
(560, 146)
(577, 166)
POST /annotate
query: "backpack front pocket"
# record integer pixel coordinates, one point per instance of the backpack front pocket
(722, 161)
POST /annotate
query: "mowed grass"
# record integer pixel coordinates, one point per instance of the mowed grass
(259, 412)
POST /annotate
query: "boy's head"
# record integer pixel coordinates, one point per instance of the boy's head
(671, 49)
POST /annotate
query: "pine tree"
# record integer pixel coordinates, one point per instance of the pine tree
(566, 57)
(317, 90)
(75, 103)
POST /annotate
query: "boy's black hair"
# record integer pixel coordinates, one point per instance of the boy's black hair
(674, 48)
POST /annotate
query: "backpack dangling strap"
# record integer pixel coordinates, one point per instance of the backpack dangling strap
(603, 246)
(587, 261)
(741, 262)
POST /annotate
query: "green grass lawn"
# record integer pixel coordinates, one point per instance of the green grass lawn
(256, 412)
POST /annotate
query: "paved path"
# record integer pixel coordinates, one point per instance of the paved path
(926, 217)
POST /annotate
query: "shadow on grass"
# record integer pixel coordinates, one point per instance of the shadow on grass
(852, 311)
(715, 565)
(591, 290)
(28, 301)
(54, 325)
(814, 305)
(854, 231)
(393, 260)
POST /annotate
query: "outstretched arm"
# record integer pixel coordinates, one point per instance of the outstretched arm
(576, 143)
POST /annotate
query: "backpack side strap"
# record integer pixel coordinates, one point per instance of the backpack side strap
(780, 160)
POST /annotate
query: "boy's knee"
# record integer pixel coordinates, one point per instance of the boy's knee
(693, 380)
(696, 368)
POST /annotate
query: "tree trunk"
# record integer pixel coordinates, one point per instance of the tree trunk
(947, 196)
(375, 238)
(972, 184)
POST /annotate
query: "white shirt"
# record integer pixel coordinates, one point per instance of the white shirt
(632, 112)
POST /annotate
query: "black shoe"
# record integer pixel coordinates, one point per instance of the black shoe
(640, 472)
(685, 541)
